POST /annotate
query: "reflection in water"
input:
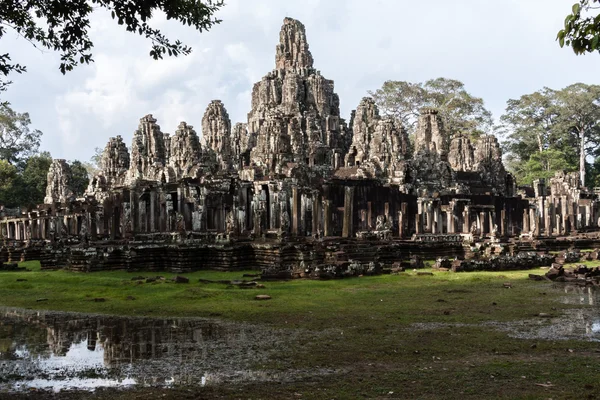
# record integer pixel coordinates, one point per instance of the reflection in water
(60, 350)
(577, 323)
(588, 319)
(587, 295)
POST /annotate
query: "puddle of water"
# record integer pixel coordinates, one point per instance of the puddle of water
(59, 351)
(576, 324)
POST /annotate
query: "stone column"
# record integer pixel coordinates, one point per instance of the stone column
(135, 207)
(163, 223)
(526, 221)
(548, 218)
(419, 217)
(400, 224)
(43, 231)
(467, 219)
(565, 215)
(429, 209)
(363, 225)
(34, 228)
(295, 211)
(327, 218)
(436, 225)
(59, 222)
(553, 215)
(93, 226)
(180, 203)
(503, 222)
(541, 211)
(482, 222)
(100, 221)
(275, 219)
(534, 225)
(369, 216)
(153, 212)
(588, 215)
(348, 230)
(304, 203)
(450, 215)
(114, 222)
(316, 214)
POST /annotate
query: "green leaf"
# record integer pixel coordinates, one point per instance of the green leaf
(568, 20)
(576, 8)
(595, 42)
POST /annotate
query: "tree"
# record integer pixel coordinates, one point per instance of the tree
(462, 112)
(579, 119)
(62, 26)
(402, 100)
(543, 164)
(8, 174)
(17, 140)
(566, 121)
(35, 179)
(93, 165)
(530, 121)
(79, 177)
(582, 28)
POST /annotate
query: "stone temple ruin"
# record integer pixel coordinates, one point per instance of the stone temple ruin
(295, 190)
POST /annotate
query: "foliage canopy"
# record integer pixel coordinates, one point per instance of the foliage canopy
(462, 112)
(63, 26)
(582, 28)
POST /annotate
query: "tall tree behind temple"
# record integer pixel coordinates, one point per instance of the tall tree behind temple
(8, 175)
(17, 140)
(80, 177)
(462, 112)
(579, 120)
(530, 120)
(34, 179)
(552, 130)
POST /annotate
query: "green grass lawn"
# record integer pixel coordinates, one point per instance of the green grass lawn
(358, 327)
(454, 297)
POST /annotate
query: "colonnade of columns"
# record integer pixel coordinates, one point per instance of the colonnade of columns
(269, 207)
(559, 216)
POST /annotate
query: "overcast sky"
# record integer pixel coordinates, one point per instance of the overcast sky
(499, 49)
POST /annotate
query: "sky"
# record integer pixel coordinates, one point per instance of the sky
(499, 49)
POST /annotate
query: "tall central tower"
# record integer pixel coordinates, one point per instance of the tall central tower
(295, 113)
